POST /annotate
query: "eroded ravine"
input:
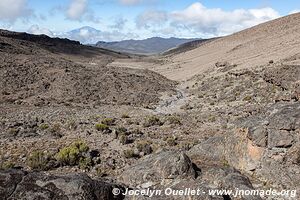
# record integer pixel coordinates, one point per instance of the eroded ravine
(173, 104)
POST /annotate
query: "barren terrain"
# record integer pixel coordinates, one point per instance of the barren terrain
(223, 115)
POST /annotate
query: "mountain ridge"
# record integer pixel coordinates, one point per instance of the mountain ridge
(153, 45)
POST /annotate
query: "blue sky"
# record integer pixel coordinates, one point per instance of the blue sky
(138, 19)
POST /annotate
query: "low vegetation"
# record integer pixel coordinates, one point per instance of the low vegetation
(73, 154)
(174, 120)
(108, 121)
(38, 160)
(129, 153)
(152, 121)
(101, 127)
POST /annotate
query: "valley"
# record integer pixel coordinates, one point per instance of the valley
(78, 121)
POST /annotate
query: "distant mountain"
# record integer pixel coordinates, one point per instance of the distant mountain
(86, 35)
(148, 46)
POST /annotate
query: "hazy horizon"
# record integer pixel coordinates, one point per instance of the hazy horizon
(119, 20)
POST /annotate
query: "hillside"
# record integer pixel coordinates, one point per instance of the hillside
(40, 70)
(188, 46)
(148, 46)
(275, 40)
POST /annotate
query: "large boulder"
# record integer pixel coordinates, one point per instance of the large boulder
(287, 77)
(17, 184)
(173, 170)
(157, 168)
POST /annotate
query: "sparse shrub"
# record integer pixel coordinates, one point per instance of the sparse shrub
(38, 160)
(13, 131)
(129, 122)
(123, 139)
(212, 119)
(174, 120)
(55, 130)
(72, 154)
(247, 98)
(171, 141)
(144, 146)
(6, 165)
(186, 146)
(101, 127)
(71, 124)
(121, 130)
(102, 172)
(152, 121)
(225, 163)
(85, 163)
(129, 153)
(137, 131)
(108, 121)
(44, 126)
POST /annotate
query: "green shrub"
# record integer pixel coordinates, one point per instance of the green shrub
(55, 129)
(6, 165)
(102, 172)
(123, 139)
(121, 130)
(108, 121)
(174, 120)
(212, 119)
(152, 121)
(72, 154)
(247, 98)
(38, 160)
(85, 163)
(144, 146)
(129, 153)
(171, 141)
(101, 127)
(44, 126)
(225, 163)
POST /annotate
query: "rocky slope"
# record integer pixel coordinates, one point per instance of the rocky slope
(35, 76)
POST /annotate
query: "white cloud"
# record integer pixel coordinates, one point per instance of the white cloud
(77, 9)
(294, 11)
(90, 35)
(137, 2)
(35, 29)
(130, 2)
(216, 22)
(119, 23)
(10, 10)
(151, 18)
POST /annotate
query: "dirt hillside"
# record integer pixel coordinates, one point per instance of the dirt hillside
(271, 41)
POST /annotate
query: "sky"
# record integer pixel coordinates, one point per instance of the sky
(90, 21)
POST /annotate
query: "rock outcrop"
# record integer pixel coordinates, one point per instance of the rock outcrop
(21, 185)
